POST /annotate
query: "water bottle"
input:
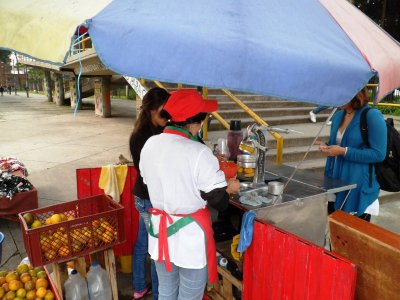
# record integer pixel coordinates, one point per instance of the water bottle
(235, 136)
(76, 287)
(98, 283)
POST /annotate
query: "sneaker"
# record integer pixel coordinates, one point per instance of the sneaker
(328, 123)
(313, 117)
(140, 295)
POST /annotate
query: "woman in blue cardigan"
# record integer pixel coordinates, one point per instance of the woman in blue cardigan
(349, 158)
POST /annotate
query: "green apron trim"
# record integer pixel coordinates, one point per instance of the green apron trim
(189, 135)
(174, 228)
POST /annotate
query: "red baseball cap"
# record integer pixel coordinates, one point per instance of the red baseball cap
(184, 104)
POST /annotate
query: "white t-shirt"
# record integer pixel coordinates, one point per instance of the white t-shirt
(175, 170)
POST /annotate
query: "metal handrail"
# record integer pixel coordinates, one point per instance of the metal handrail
(385, 104)
(277, 136)
(80, 41)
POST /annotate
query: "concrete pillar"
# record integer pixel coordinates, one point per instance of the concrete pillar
(48, 84)
(60, 96)
(102, 98)
(73, 92)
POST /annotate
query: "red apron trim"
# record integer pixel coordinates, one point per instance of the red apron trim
(203, 218)
(162, 236)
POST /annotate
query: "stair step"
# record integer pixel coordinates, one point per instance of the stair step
(293, 154)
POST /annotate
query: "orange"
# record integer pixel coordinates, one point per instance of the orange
(49, 295)
(41, 274)
(22, 268)
(31, 295)
(21, 293)
(15, 285)
(50, 254)
(56, 218)
(11, 276)
(5, 287)
(63, 251)
(30, 285)
(42, 283)
(25, 277)
(10, 295)
(107, 238)
(41, 292)
(2, 292)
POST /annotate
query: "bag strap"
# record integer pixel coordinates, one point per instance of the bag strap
(364, 135)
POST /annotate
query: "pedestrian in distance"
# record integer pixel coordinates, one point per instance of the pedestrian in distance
(317, 110)
(183, 177)
(349, 158)
(149, 123)
(1, 90)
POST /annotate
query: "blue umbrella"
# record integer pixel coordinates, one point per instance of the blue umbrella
(289, 49)
(322, 51)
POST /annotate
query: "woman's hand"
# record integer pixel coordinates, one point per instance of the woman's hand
(333, 150)
(233, 186)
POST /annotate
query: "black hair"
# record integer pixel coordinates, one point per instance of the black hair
(200, 117)
(153, 99)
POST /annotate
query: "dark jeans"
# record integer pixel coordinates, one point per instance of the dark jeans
(140, 251)
(331, 209)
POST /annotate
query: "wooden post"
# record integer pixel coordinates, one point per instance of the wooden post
(73, 93)
(60, 97)
(60, 276)
(48, 83)
(102, 103)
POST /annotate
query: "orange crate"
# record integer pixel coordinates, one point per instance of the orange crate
(95, 223)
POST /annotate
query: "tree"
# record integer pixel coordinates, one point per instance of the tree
(386, 13)
(4, 55)
(36, 76)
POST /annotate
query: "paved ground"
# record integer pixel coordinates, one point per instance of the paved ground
(53, 143)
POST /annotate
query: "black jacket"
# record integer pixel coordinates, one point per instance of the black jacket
(136, 144)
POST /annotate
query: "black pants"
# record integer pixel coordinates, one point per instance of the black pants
(331, 209)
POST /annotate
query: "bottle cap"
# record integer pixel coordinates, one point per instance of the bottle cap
(74, 272)
(223, 262)
(95, 263)
(235, 125)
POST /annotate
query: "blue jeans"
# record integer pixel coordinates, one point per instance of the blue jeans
(320, 108)
(181, 283)
(141, 249)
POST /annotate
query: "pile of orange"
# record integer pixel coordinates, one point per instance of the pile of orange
(25, 282)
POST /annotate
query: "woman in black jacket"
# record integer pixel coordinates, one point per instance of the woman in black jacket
(149, 123)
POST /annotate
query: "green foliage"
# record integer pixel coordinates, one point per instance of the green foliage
(4, 55)
(121, 94)
(390, 110)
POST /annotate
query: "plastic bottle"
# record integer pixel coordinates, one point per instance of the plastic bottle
(76, 287)
(98, 283)
(235, 136)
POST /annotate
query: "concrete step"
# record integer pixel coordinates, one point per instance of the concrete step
(295, 154)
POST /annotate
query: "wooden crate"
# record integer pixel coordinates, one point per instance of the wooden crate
(375, 251)
(223, 290)
(60, 272)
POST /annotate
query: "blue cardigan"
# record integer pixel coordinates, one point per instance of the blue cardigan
(353, 166)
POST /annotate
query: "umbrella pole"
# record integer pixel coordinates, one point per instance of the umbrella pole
(309, 148)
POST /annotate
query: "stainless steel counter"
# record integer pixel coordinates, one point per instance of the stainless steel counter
(302, 208)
